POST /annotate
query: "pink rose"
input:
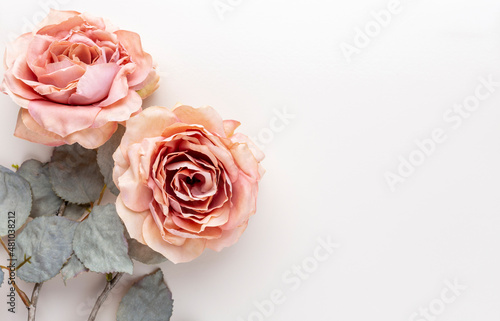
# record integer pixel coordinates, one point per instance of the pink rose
(75, 78)
(186, 181)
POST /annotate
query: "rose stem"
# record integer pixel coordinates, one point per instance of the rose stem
(110, 284)
(34, 301)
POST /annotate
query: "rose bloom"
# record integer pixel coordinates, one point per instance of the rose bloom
(75, 78)
(186, 181)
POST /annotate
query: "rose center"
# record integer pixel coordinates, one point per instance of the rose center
(192, 181)
(77, 52)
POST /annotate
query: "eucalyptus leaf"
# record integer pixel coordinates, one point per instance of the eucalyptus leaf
(45, 201)
(75, 211)
(15, 201)
(143, 253)
(75, 174)
(100, 242)
(149, 299)
(72, 268)
(105, 158)
(48, 241)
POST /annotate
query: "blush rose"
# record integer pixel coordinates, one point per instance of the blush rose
(75, 78)
(187, 182)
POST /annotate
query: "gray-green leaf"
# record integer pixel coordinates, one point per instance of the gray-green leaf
(75, 211)
(15, 201)
(105, 158)
(75, 175)
(149, 299)
(48, 241)
(143, 253)
(45, 201)
(72, 268)
(100, 242)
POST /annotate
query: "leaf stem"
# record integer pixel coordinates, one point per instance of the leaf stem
(62, 208)
(101, 195)
(100, 300)
(26, 260)
(34, 301)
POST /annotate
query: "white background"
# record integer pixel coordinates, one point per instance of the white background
(326, 167)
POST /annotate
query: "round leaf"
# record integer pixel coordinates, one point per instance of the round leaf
(100, 242)
(75, 175)
(15, 201)
(74, 211)
(48, 241)
(143, 253)
(45, 201)
(105, 158)
(149, 299)
(72, 268)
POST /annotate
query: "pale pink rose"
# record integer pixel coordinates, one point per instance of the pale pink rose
(75, 78)
(186, 181)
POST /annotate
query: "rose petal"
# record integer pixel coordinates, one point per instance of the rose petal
(17, 49)
(190, 250)
(94, 85)
(56, 16)
(243, 139)
(228, 238)
(95, 21)
(17, 99)
(133, 220)
(62, 27)
(119, 111)
(150, 123)
(121, 165)
(149, 85)
(79, 37)
(62, 77)
(244, 198)
(28, 129)
(38, 53)
(62, 119)
(61, 96)
(132, 43)
(91, 138)
(193, 230)
(119, 88)
(205, 116)
(158, 218)
(230, 126)
(18, 87)
(133, 183)
(22, 71)
(245, 160)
